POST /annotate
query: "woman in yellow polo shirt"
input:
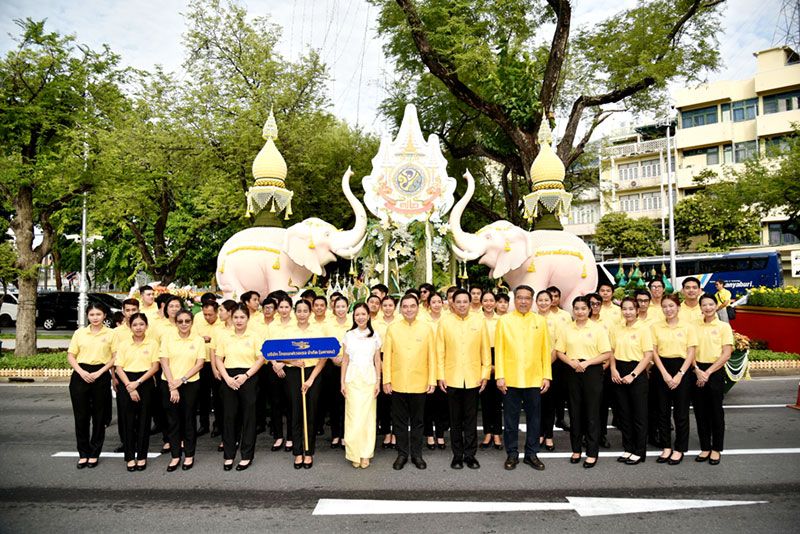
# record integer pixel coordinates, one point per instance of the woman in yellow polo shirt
(380, 322)
(239, 358)
(584, 345)
(544, 303)
(136, 364)
(632, 347)
(89, 355)
(491, 398)
(182, 356)
(674, 344)
(714, 348)
(338, 325)
(436, 419)
(280, 403)
(300, 380)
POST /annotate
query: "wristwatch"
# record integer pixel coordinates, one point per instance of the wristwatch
(681, 372)
(184, 380)
(633, 374)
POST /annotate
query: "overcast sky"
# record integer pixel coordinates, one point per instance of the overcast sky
(148, 32)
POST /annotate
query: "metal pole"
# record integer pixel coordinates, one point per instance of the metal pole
(672, 269)
(661, 187)
(82, 297)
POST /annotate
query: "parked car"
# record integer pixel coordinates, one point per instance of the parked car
(60, 308)
(8, 310)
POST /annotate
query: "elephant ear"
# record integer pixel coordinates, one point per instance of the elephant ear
(513, 253)
(301, 249)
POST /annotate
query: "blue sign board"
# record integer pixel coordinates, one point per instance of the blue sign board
(300, 349)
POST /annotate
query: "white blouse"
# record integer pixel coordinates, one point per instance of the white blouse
(361, 349)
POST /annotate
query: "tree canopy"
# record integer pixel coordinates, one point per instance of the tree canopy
(627, 237)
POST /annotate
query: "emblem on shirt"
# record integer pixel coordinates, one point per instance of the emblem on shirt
(714, 332)
(679, 334)
(145, 352)
(191, 347)
(633, 337)
(301, 345)
(588, 335)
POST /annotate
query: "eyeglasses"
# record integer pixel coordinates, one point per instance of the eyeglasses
(184, 321)
(595, 304)
(643, 300)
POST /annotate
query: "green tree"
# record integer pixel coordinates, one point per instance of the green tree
(485, 74)
(714, 216)
(626, 237)
(55, 96)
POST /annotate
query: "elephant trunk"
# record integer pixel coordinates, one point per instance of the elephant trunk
(467, 246)
(348, 243)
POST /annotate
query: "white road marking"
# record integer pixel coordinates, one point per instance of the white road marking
(584, 506)
(70, 454)
(654, 453)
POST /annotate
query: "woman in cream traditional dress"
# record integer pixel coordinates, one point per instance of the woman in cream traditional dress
(361, 371)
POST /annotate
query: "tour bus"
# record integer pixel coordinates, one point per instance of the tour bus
(739, 270)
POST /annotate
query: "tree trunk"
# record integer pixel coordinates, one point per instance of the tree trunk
(26, 317)
(57, 268)
(28, 261)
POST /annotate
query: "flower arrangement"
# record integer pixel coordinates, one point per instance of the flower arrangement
(774, 297)
(741, 341)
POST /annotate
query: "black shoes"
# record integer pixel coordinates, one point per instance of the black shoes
(431, 446)
(699, 458)
(277, 446)
(308, 465)
(442, 446)
(165, 448)
(457, 463)
(141, 467)
(171, 468)
(574, 460)
(228, 466)
(400, 463)
(472, 463)
(588, 465)
(623, 459)
(220, 447)
(131, 468)
(242, 467)
(534, 462)
(631, 461)
(713, 461)
(676, 462)
(550, 448)
(419, 463)
(91, 465)
(81, 465)
(485, 446)
(186, 467)
(298, 466)
(511, 462)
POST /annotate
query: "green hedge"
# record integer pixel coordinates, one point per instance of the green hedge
(768, 355)
(55, 360)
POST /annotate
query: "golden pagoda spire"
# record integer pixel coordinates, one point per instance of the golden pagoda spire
(269, 171)
(547, 182)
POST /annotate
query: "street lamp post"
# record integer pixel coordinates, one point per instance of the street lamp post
(670, 181)
(83, 297)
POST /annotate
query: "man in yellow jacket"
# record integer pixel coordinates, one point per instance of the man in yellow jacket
(522, 369)
(464, 362)
(409, 373)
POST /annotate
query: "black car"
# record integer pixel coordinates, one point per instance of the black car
(59, 309)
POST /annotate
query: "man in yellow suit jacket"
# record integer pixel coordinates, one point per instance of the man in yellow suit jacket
(522, 369)
(464, 362)
(409, 373)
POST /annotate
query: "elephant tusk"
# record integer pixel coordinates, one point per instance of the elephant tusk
(463, 255)
(350, 253)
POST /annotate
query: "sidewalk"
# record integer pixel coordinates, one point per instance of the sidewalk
(10, 344)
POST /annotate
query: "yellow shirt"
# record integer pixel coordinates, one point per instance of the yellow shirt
(91, 348)
(137, 357)
(380, 325)
(673, 341)
(631, 342)
(151, 312)
(655, 312)
(690, 314)
(463, 355)
(161, 328)
(203, 329)
(182, 354)
(710, 339)
(584, 342)
(722, 296)
(239, 351)
(610, 314)
(522, 350)
(120, 334)
(554, 327)
(491, 326)
(409, 356)
(651, 319)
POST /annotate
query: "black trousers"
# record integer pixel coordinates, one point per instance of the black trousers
(437, 414)
(240, 409)
(585, 393)
(492, 408)
(294, 379)
(518, 399)
(384, 411)
(90, 406)
(463, 404)
(262, 396)
(204, 395)
(331, 401)
(677, 401)
(158, 411)
(558, 388)
(708, 412)
(181, 420)
(216, 400)
(631, 409)
(407, 422)
(607, 402)
(653, 405)
(134, 417)
(279, 404)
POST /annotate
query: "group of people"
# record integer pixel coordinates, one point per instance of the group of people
(409, 376)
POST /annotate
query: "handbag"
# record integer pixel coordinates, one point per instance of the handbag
(731, 313)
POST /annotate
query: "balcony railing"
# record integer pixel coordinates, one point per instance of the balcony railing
(640, 183)
(633, 149)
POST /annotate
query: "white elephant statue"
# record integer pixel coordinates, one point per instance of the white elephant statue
(266, 259)
(540, 259)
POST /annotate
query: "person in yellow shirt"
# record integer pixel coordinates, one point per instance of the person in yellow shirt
(207, 326)
(437, 411)
(409, 373)
(120, 333)
(475, 295)
(89, 355)
(136, 363)
(300, 381)
(463, 360)
(690, 307)
(502, 303)
(674, 345)
(252, 300)
(380, 322)
(181, 356)
(523, 372)
(280, 398)
(374, 305)
(606, 321)
(632, 346)
(425, 293)
(656, 288)
(491, 398)
(723, 298)
(559, 386)
(585, 347)
(554, 325)
(609, 312)
(644, 312)
(148, 305)
(238, 355)
(714, 348)
(331, 400)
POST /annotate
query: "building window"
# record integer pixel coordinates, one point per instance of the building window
(699, 117)
(782, 234)
(744, 151)
(584, 213)
(711, 153)
(651, 168)
(782, 102)
(727, 151)
(745, 110)
(651, 201)
(726, 112)
(775, 146)
(629, 171)
(629, 203)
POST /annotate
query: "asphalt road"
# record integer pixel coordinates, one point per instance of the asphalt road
(42, 493)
